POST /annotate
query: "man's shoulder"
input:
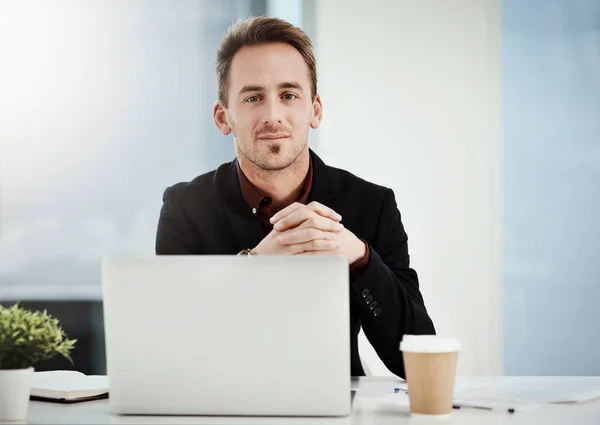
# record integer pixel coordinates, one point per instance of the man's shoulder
(347, 181)
(198, 188)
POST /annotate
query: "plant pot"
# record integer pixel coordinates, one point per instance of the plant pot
(15, 389)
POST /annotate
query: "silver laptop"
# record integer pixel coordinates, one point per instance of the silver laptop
(227, 335)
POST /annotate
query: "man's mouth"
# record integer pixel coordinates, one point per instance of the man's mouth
(273, 136)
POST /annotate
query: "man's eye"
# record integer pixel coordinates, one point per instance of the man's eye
(252, 99)
(289, 96)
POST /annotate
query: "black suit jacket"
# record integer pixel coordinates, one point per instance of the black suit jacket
(209, 216)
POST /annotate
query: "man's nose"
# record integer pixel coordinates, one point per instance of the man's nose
(273, 113)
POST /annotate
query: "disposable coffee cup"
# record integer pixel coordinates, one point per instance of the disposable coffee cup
(430, 365)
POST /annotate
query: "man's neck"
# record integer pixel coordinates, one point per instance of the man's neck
(282, 186)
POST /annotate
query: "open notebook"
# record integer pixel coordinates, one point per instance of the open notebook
(67, 386)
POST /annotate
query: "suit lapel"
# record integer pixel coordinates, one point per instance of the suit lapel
(244, 224)
(323, 187)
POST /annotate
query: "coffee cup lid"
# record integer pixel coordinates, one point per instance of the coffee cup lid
(429, 344)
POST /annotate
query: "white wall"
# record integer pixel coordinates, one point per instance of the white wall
(411, 93)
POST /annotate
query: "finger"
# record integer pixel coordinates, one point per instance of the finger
(324, 211)
(313, 206)
(307, 218)
(330, 252)
(306, 234)
(286, 211)
(321, 223)
(314, 245)
(294, 219)
(314, 253)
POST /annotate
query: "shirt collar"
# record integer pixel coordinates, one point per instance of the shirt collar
(253, 196)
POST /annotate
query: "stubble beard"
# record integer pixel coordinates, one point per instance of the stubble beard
(264, 161)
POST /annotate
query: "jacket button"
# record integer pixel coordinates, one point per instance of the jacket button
(377, 312)
(369, 299)
(373, 305)
(365, 293)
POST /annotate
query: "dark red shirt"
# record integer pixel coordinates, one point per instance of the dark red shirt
(261, 204)
(261, 208)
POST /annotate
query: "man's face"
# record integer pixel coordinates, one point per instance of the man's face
(269, 105)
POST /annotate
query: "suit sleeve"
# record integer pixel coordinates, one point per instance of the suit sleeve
(174, 234)
(387, 291)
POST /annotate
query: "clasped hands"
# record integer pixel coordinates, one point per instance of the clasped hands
(312, 229)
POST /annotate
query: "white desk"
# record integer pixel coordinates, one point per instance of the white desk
(364, 412)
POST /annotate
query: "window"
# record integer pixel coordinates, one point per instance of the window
(551, 125)
(104, 104)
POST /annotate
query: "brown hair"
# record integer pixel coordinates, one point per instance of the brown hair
(261, 30)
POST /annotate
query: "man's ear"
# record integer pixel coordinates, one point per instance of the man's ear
(220, 117)
(317, 112)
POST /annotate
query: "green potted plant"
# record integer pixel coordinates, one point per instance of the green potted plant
(26, 337)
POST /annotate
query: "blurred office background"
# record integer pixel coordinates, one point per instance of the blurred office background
(483, 116)
(551, 144)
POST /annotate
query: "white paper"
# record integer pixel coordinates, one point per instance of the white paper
(383, 392)
(499, 393)
(533, 390)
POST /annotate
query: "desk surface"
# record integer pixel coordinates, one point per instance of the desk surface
(363, 412)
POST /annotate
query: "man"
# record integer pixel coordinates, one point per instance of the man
(278, 197)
